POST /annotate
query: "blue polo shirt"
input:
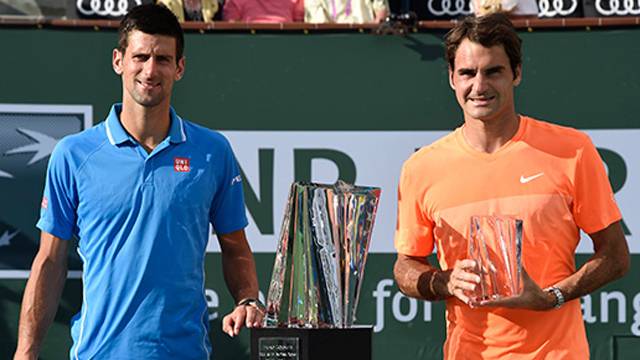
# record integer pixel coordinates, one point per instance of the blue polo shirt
(142, 221)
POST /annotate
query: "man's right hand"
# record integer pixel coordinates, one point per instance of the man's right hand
(249, 316)
(463, 279)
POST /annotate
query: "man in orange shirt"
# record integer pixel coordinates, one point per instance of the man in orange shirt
(502, 163)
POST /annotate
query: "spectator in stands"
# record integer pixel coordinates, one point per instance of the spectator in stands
(513, 8)
(346, 11)
(263, 11)
(192, 10)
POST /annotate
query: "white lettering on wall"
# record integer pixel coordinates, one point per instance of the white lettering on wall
(397, 310)
(605, 298)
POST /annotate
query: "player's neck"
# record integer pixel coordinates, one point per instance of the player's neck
(149, 126)
(489, 135)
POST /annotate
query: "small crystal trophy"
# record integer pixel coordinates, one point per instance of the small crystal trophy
(495, 243)
(320, 259)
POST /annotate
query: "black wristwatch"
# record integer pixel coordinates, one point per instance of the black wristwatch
(252, 302)
(558, 294)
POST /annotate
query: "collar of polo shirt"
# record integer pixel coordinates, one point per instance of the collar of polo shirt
(117, 134)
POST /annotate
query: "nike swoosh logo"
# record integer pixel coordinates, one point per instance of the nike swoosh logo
(524, 180)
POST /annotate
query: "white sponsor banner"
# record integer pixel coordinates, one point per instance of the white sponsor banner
(378, 157)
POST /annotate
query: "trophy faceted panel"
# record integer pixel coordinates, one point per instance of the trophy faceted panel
(321, 255)
(495, 243)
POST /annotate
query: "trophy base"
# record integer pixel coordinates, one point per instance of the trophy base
(311, 344)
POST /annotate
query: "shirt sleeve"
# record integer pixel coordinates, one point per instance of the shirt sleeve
(231, 11)
(60, 198)
(594, 205)
(315, 12)
(209, 10)
(414, 230)
(228, 212)
(380, 5)
(298, 10)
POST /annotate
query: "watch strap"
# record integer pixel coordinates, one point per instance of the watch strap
(558, 294)
(252, 302)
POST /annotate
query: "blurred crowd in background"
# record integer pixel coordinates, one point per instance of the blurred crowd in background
(322, 11)
(277, 11)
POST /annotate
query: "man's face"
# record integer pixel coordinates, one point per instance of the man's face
(148, 68)
(483, 81)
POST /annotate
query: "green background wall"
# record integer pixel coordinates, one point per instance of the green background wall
(326, 81)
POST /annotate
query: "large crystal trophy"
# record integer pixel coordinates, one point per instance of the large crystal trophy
(320, 259)
(495, 243)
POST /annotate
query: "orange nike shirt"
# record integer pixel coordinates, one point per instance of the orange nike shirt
(549, 176)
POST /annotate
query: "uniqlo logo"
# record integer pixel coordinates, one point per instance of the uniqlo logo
(181, 164)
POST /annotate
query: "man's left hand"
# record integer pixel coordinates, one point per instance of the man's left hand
(243, 315)
(532, 297)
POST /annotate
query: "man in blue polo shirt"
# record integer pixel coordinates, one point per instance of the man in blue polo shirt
(139, 191)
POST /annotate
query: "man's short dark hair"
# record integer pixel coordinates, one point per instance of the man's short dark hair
(489, 30)
(154, 20)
